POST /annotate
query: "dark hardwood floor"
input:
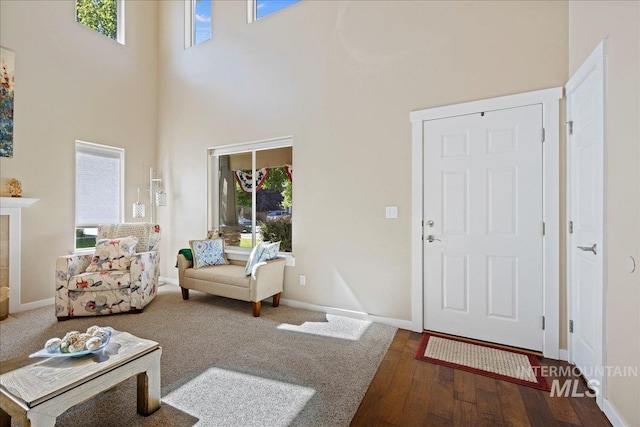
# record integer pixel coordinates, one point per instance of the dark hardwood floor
(409, 392)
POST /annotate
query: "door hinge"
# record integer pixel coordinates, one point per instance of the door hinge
(543, 135)
(570, 127)
(543, 322)
(543, 228)
(570, 227)
(571, 326)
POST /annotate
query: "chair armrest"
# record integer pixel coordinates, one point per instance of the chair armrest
(267, 279)
(67, 267)
(183, 264)
(145, 270)
(71, 265)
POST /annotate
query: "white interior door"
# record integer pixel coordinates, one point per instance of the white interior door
(483, 205)
(585, 158)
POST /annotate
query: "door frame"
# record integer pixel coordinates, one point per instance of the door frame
(597, 58)
(550, 100)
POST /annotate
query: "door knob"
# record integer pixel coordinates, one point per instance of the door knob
(430, 223)
(589, 248)
(430, 238)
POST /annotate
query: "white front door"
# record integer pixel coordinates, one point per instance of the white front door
(585, 210)
(483, 194)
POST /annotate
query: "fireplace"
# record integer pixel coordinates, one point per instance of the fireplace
(10, 228)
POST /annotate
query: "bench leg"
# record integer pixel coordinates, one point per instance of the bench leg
(149, 386)
(256, 308)
(276, 299)
(40, 420)
(185, 293)
(5, 419)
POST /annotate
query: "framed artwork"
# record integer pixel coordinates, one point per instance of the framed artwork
(7, 77)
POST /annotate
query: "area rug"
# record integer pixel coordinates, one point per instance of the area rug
(221, 366)
(482, 359)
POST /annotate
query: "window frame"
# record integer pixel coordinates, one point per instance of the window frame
(120, 33)
(252, 10)
(96, 149)
(213, 208)
(190, 24)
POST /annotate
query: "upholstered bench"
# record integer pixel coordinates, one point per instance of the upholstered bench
(230, 280)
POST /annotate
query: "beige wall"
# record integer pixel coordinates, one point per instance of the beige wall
(590, 22)
(342, 83)
(73, 83)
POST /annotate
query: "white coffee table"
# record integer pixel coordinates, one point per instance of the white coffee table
(36, 391)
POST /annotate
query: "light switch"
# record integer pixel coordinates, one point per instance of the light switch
(392, 212)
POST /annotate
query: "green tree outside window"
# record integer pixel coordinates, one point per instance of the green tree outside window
(100, 15)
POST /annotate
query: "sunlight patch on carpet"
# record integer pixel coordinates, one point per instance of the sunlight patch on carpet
(233, 398)
(335, 327)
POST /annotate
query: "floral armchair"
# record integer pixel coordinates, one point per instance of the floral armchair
(86, 288)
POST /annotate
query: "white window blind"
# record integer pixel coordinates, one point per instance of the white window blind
(99, 178)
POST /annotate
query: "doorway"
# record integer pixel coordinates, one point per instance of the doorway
(478, 199)
(484, 226)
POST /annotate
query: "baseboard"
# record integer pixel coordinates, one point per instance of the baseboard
(163, 280)
(37, 304)
(51, 301)
(612, 415)
(563, 354)
(398, 323)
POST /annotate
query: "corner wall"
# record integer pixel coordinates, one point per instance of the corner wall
(73, 83)
(343, 84)
(590, 22)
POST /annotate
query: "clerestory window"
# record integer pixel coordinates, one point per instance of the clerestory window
(258, 9)
(197, 22)
(104, 16)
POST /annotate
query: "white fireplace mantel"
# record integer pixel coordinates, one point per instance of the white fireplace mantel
(16, 202)
(12, 206)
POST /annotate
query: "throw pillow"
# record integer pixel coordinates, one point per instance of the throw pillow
(271, 251)
(207, 252)
(113, 254)
(263, 251)
(254, 258)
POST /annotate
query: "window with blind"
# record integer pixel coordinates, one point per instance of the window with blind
(99, 190)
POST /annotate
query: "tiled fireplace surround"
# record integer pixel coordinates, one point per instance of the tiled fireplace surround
(10, 228)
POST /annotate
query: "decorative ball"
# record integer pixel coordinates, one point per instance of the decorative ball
(78, 345)
(93, 343)
(53, 345)
(93, 329)
(103, 334)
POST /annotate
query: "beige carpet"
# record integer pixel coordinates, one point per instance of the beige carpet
(223, 367)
